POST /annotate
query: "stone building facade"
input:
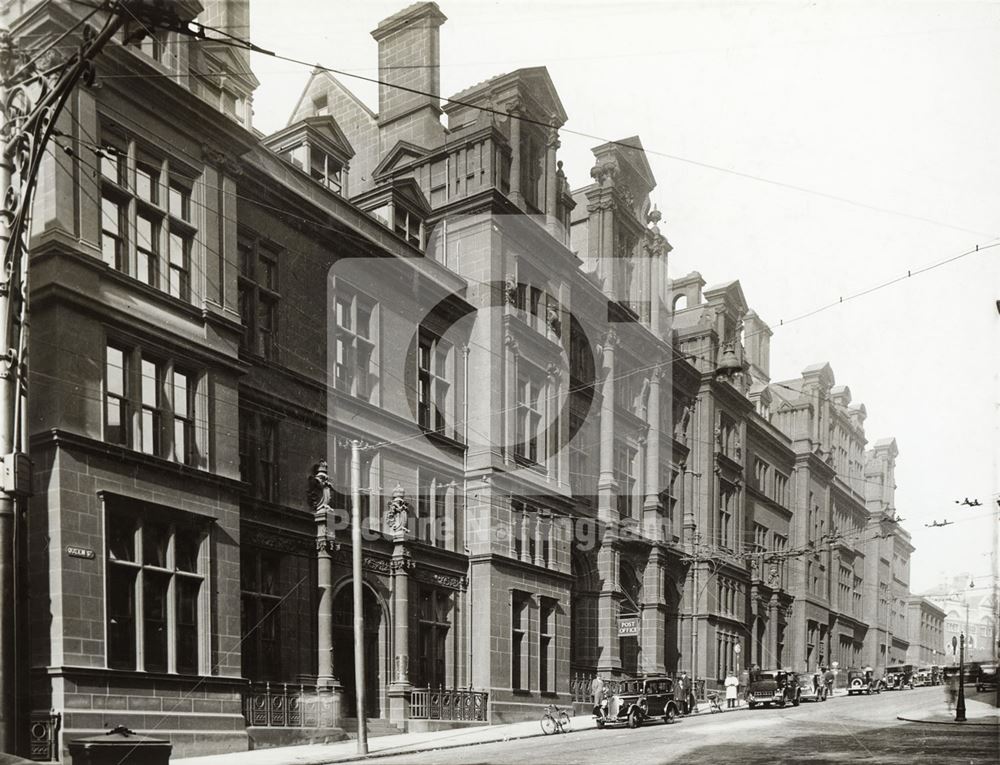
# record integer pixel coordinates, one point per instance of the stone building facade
(570, 465)
(926, 624)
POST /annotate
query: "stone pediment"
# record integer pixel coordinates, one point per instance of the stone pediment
(400, 154)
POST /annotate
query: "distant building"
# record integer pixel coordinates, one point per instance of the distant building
(968, 610)
(926, 632)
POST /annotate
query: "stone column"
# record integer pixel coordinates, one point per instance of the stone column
(401, 564)
(516, 195)
(330, 693)
(652, 517)
(654, 615)
(607, 488)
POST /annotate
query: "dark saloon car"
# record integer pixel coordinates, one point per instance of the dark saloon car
(862, 682)
(773, 686)
(637, 701)
(987, 677)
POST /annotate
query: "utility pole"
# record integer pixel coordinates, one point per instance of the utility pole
(31, 101)
(359, 614)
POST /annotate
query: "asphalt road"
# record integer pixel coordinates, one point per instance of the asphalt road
(856, 730)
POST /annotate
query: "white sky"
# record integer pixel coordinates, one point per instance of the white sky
(890, 105)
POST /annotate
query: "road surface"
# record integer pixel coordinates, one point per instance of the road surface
(860, 730)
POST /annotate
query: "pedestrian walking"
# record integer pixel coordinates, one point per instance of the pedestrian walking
(951, 691)
(732, 683)
(828, 680)
(682, 692)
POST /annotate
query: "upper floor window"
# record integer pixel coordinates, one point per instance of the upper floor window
(154, 43)
(528, 424)
(625, 457)
(258, 444)
(354, 352)
(150, 404)
(258, 296)
(323, 167)
(156, 193)
(433, 381)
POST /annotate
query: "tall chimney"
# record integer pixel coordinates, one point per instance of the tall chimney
(409, 56)
(757, 346)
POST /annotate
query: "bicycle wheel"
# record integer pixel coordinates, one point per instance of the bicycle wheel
(563, 722)
(548, 724)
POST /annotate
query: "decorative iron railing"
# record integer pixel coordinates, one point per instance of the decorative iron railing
(579, 685)
(444, 704)
(283, 706)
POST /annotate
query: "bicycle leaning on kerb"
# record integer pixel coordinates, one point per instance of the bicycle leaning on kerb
(554, 720)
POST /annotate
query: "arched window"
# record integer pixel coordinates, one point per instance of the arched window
(680, 303)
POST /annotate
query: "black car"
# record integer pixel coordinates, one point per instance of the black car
(773, 686)
(987, 677)
(862, 682)
(636, 701)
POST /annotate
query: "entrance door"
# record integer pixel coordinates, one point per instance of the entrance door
(343, 650)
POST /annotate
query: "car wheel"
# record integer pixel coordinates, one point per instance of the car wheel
(796, 701)
(669, 717)
(752, 704)
(634, 718)
(780, 704)
(600, 723)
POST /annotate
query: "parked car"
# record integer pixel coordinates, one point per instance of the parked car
(638, 700)
(922, 677)
(773, 686)
(899, 677)
(812, 687)
(987, 677)
(862, 682)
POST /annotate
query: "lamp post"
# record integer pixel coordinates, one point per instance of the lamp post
(960, 707)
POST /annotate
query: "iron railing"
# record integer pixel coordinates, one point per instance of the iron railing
(449, 704)
(282, 706)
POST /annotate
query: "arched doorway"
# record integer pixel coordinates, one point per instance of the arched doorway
(343, 648)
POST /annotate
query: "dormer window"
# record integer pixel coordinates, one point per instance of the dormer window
(407, 225)
(326, 171)
(318, 147)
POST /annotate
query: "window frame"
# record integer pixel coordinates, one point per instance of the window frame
(143, 575)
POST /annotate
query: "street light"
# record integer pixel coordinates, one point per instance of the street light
(960, 707)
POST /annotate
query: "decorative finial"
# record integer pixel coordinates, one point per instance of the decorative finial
(654, 216)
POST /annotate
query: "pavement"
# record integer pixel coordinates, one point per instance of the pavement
(403, 743)
(977, 713)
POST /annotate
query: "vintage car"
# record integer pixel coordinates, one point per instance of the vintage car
(899, 677)
(862, 682)
(987, 677)
(773, 686)
(812, 687)
(922, 677)
(638, 700)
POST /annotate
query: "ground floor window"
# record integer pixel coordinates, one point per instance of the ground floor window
(155, 592)
(519, 651)
(260, 613)
(434, 614)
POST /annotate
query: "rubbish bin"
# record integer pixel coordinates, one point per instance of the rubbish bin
(120, 746)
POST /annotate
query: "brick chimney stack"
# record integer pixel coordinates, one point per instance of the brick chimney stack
(409, 55)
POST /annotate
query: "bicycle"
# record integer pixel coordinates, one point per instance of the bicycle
(554, 720)
(713, 699)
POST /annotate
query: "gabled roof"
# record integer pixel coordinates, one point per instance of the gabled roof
(731, 292)
(325, 128)
(630, 152)
(535, 78)
(397, 155)
(406, 189)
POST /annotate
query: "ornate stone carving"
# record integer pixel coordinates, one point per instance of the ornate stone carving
(402, 563)
(604, 172)
(220, 160)
(553, 320)
(510, 289)
(397, 512)
(320, 489)
(449, 581)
